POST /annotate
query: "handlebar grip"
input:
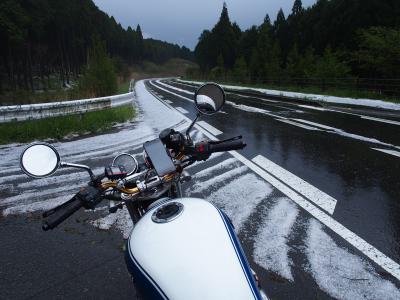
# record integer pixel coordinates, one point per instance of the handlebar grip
(62, 214)
(227, 146)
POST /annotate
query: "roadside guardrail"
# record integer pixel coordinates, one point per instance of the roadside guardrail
(54, 109)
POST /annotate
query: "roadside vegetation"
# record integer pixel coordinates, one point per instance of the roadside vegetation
(47, 47)
(60, 127)
(333, 47)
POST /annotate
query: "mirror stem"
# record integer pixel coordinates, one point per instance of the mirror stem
(65, 164)
(191, 126)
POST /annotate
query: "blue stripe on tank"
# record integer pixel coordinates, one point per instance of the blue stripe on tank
(240, 255)
(146, 285)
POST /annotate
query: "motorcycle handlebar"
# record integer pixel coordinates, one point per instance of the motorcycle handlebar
(60, 215)
(226, 146)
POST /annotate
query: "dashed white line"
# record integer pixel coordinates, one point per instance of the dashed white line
(182, 110)
(315, 124)
(177, 95)
(380, 120)
(168, 101)
(209, 128)
(314, 107)
(296, 124)
(391, 152)
(317, 196)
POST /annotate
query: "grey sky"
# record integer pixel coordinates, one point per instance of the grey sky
(182, 21)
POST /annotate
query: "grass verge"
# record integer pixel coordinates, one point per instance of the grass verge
(59, 127)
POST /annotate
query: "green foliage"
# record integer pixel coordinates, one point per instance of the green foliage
(46, 39)
(221, 41)
(59, 127)
(99, 78)
(240, 70)
(329, 66)
(327, 41)
(379, 52)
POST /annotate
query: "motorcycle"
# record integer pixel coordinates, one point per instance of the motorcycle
(180, 247)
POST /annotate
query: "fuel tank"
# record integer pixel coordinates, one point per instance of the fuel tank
(186, 249)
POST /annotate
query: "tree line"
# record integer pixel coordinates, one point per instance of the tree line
(46, 43)
(331, 39)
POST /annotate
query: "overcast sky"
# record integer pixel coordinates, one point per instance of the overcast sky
(182, 21)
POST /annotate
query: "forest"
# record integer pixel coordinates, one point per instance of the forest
(47, 44)
(332, 44)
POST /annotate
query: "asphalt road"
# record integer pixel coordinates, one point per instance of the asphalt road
(313, 197)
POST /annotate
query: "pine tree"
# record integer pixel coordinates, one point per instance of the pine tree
(139, 41)
(224, 38)
(297, 7)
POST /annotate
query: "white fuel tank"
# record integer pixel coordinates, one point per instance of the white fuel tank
(187, 249)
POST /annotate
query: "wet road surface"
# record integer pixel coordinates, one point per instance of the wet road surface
(313, 195)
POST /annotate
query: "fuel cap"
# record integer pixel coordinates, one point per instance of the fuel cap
(167, 212)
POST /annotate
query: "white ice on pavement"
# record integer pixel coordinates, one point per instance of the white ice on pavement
(271, 244)
(342, 274)
(155, 114)
(201, 186)
(227, 164)
(239, 198)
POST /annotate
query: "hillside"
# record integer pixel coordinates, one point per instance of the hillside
(45, 43)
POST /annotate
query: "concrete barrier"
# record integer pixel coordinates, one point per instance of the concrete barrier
(54, 109)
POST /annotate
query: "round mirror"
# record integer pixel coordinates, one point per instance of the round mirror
(127, 161)
(209, 98)
(39, 160)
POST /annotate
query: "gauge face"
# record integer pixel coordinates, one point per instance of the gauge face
(127, 161)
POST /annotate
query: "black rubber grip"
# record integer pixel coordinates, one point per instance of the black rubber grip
(62, 214)
(227, 146)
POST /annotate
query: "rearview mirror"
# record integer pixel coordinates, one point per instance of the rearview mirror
(39, 160)
(209, 98)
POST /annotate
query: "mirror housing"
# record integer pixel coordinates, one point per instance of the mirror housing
(209, 98)
(39, 160)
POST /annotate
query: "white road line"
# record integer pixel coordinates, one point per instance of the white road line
(314, 107)
(347, 134)
(175, 88)
(380, 120)
(315, 124)
(317, 196)
(168, 101)
(181, 110)
(160, 88)
(391, 152)
(296, 124)
(367, 249)
(209, 128)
